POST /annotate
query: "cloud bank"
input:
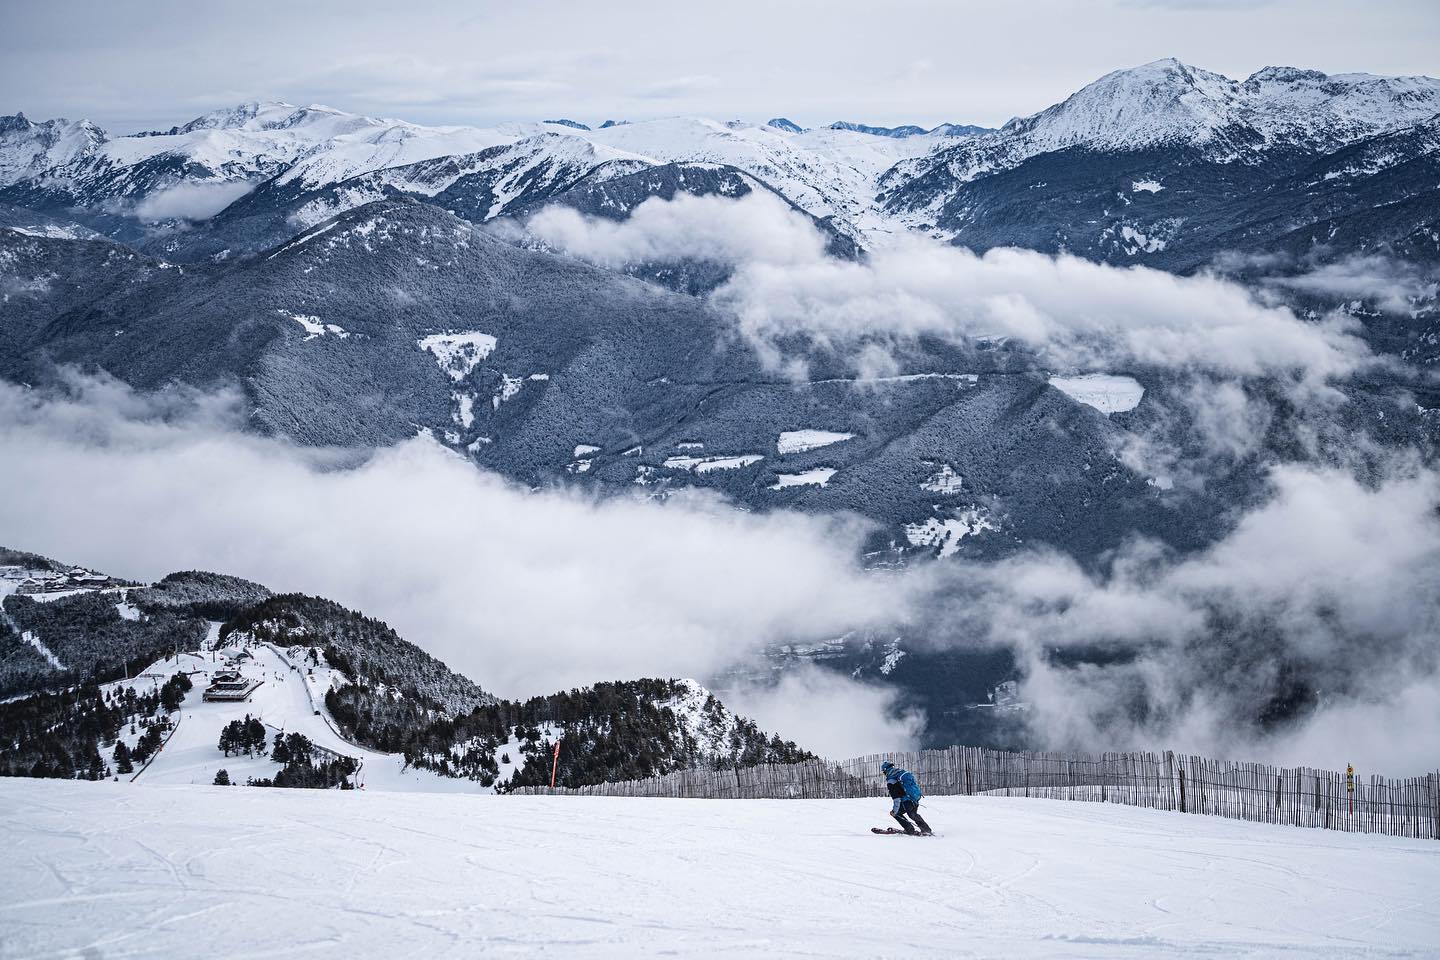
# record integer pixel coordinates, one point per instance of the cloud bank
(1309, 629)
(190, 201)
(525, 592)
(759, 228)
(1313, 624)
(843, 718)
(1076, 314)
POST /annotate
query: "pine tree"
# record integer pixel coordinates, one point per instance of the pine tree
(122, 758)
(254, 735)
(222, 778)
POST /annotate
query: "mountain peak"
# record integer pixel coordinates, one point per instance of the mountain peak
(1286, 75)
(908, 130)
(788, 126)
(28, 148)
(235, 117)
(14, 124)
(960, 130)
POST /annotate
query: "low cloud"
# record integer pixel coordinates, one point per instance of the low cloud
(759, 228)
(1376, 280)
(829, 713)
(1393, 286)
(1307, 630)
(190, 201)
(1200, 427)
(525, 592)
(1075, 314)
(1319, 610)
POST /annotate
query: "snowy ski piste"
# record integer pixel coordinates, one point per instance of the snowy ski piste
(113, 870)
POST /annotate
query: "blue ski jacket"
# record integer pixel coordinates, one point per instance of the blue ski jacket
(907, 782)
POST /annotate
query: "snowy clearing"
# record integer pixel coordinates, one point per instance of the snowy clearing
(707, 464)
(946, 534)
(464, 410)
(817, 477)
(106, 870)
(1105, 392)
(458, 353)
(945, 480)
(314, 327)
(798, 441)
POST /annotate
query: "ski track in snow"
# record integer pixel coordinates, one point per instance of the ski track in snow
(105, 869)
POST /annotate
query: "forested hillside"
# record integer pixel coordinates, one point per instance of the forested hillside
(59, 649)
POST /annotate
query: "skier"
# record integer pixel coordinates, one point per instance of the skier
(905, 794)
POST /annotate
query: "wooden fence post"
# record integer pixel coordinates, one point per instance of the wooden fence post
(1434, 803)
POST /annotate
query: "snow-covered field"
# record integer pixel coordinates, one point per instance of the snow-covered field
(102, 870)
(1105, 392)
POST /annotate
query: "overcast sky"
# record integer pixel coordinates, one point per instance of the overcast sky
(143, 65)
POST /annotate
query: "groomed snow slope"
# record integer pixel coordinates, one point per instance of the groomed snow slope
(282, 702)
(101, 870)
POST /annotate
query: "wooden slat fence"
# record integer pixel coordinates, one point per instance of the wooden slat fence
(1298, 796)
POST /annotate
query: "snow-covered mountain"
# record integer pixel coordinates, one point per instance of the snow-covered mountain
(59, 166)
(27, 149)
(1171, 165)
(867, 182)
(1168, 103)
(246, 142)
(827, 172)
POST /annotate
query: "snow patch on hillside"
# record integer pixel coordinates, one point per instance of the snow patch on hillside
(799, 441)
(944, 481)
(707, 464)
(460, 352)
(40, 648)
(1106, 392)
(893, 656)
(703, 718)
(314, 327)
(946, 534)
(817, 477)
(464, 410)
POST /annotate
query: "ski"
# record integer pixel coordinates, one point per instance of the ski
(886, 831)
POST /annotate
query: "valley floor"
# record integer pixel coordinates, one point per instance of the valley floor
(108, 870)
